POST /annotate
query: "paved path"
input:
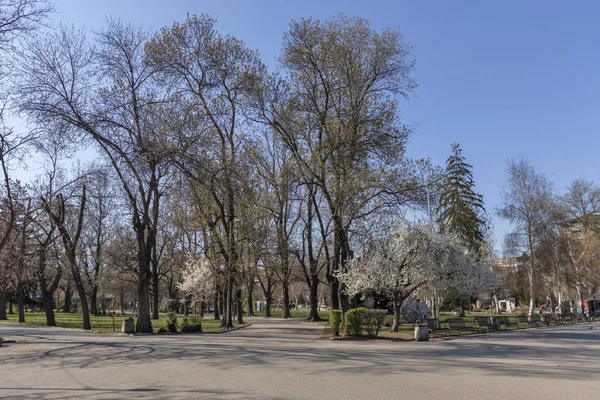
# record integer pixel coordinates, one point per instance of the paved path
(287, 360)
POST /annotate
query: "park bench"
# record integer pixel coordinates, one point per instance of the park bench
(536, 320)
(566, 318)
(552, 320)
(458, 324)
(581, 318)
(486, 323)
(549, 320)
(503, 320)
(523, 320)
(433, 326)
(529, 322)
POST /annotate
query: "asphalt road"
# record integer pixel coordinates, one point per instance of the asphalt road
(277, 359)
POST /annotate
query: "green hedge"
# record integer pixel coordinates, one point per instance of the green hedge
(359, 320)
(335, 320)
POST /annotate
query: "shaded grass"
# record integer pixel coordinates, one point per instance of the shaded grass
(104, 323)
(301, 313)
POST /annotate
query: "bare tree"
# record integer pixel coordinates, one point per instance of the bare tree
(211, 76)
(581, 205)
(100, 210)
(18, 259)
(337, 113)
(70, 228)
(527, 200)
(20, 17)
(104, 95)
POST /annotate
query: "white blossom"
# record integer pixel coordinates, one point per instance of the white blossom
(413, 257)
(198, 280)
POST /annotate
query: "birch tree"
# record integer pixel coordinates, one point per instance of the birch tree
(527, 197)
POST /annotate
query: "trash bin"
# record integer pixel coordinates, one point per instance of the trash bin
(128, 326)
(421, 333)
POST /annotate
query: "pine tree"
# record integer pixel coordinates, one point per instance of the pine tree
(461, 210)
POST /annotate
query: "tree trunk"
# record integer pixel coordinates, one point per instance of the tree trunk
(223, 307)
(94, 300)
(334, 291)
(217, 317)
(155, 284)
(122, 298)
(20, 309)
(10, 308)
(3, 315)
(497, 302)
(240, 309)
(268, 305)
(286, 300)
(579, 294)
(344, 300)
(144, 324)
(268, 292)
(68, 299)
(85, 311)
(531, 293)
(314, 299)
(229, 306)
(396, 322)
(47, 302)
(250, 303)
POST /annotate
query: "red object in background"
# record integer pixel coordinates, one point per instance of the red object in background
(585, 306)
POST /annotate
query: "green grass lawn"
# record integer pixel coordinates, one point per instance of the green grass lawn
(103, 323)
(301, 313)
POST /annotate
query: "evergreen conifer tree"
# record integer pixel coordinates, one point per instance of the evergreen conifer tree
(460, 209)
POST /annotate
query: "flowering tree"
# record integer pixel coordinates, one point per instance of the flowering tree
(198, 279)
(412, 258)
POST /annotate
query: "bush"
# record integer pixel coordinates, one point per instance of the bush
(172, 305)
(354, 321)
(335, 320)
(374, 320)
(192, 324)
(171, 322)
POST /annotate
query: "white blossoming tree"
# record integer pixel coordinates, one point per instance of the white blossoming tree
(198, 279)
(412, 258)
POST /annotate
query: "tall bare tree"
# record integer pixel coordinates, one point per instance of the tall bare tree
(103, 94)
(581, 205)
(527, 202)
(18, 18)
(211, 75)
(337, 113)
(70, 227)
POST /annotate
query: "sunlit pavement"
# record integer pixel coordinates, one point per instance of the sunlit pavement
(287, 360)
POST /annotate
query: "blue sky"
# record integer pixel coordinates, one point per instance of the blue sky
(504, 78)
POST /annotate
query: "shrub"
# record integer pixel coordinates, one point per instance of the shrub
(354, 321)
(335, 320)
(172, 305)
(162, 329)
(373, 321)
(171, 322)
(192, 324)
